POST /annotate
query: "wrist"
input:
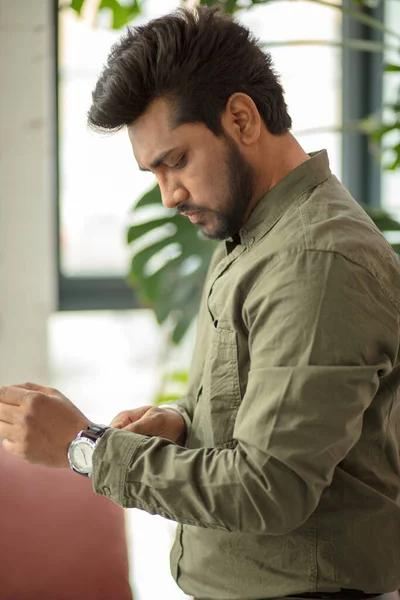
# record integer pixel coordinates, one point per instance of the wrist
(181, 441)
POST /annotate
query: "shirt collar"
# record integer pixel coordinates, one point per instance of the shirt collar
(272, 206)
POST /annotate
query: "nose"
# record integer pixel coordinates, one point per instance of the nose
(173, 193)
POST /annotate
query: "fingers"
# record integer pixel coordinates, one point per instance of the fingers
(158, 422)
(17, 394)
(131, 420)
(127, 417)
(7, 431)
(9, 413)
(150, 421)
(121, 420)
(150, 424)
(12, 395)
(34, 387)
(137, 428)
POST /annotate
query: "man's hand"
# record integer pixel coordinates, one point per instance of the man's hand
(152, 421)
(38, 423)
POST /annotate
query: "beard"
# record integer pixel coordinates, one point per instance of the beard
(239, 192)
(240, 177)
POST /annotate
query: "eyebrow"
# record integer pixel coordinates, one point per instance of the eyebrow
(159, 160)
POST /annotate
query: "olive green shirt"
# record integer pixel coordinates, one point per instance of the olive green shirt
(290, 481)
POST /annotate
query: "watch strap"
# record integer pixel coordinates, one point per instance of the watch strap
(94, 432)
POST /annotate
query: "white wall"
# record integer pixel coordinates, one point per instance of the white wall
(27, 199)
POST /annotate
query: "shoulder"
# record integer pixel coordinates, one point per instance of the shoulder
(327, 222)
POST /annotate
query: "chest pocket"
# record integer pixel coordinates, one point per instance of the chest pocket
(221, 391)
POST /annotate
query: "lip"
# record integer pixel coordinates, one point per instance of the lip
(194, 217)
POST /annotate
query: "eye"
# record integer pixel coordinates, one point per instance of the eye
(181, 162)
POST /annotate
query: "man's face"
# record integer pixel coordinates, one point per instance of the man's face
(202, 176)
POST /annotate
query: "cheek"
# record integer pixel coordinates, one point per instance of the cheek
(207, 185)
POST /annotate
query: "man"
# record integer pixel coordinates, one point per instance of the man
(282, 464)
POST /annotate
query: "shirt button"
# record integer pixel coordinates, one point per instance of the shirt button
(107, 491)
(251, 241)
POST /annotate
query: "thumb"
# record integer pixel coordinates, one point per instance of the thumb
(127, 417)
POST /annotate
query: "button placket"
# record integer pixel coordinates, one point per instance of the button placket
(222, 267)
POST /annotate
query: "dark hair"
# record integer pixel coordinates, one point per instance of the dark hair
(195, 58)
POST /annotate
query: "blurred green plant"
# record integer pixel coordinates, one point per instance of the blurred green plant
(173, 289)
(173, 286)
(122, 13)
(389, 226)
(379, 129)
(173, 386)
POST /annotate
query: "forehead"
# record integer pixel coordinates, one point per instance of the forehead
(155, 122)
(154, 133)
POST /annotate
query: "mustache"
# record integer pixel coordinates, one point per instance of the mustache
(188, 209)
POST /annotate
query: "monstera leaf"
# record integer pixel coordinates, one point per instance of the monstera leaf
(169, 264)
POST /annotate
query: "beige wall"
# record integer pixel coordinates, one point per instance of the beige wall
(27, 201)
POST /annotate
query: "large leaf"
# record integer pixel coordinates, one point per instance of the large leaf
(122, 15)
(395, 163)
(77, 5)
(174, 289)
(391, 68)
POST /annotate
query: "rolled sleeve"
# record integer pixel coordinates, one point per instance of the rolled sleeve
(113, 455)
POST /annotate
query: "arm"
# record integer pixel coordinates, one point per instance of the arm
(320, 335)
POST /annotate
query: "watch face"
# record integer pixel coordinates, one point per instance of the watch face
(81, 455)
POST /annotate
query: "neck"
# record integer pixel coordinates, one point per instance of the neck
(278, 155)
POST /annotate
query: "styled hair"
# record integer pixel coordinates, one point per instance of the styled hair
(194, 58)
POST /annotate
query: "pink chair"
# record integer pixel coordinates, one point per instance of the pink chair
(59, 541)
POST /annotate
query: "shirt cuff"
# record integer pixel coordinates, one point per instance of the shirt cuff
(114, 453)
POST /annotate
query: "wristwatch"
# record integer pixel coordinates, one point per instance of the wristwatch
(80, 450)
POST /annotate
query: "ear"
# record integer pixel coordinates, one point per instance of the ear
(241, 119)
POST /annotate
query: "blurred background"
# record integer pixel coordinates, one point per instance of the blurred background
(84, 303)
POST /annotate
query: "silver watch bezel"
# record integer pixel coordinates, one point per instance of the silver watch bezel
(81, 439)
